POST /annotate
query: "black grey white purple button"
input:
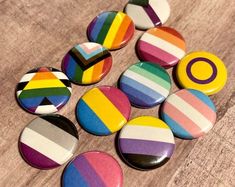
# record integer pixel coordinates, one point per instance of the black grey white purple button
(48, 141)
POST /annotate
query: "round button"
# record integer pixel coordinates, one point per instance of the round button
(48, 141)
(202, 71)
(43, 90)
(87, 63)
(148, 13)
(189, 113)
(146, 143)
(161, 45)
(146, 84)
(93, 169)
(113, 30)
(103, 110)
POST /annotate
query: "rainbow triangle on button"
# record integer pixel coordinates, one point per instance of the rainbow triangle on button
(43, 90)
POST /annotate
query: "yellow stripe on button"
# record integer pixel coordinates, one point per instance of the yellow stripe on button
(51, 83)
(87, 75)
(148, 121)
(113, 30)
(104, 109)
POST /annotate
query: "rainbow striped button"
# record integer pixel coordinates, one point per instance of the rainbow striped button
(94, 169)
(189, 113)
(48, 141)
(161, 45)
(112, 29)
(146, 143)
(103, 110)
(148, 13)
(146, 84)
(202, 71)
(87, 63)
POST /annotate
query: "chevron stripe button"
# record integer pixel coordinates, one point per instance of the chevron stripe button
(87, 63)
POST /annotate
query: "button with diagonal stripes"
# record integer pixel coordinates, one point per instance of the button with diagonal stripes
(189, 113)
(87, 63)
(148, 13)
(146, 84)
(111, 29)
(146, 143)
(93, 169)
(48, 141)
(103, 110)
(161, 45)
(43, 90)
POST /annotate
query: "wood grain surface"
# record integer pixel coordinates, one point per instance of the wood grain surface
(39, 33)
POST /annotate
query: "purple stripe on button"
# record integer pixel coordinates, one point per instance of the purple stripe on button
(146, 147)
(193, 78)
(88, 172)
(35, 158)
(152, 15)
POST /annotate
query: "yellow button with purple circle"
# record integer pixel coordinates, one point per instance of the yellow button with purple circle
(202, 71)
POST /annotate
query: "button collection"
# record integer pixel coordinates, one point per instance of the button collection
(145, 142)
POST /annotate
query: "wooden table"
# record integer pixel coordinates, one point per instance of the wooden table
(39, 33)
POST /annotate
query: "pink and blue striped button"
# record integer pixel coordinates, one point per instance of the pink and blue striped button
(189, 113)
(93, 169)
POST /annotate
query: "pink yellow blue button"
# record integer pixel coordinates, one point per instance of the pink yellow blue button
(148, 13)
(94, 169)
(202, 71)
(111, 29)
(103, 110)
(189, 113)
(146, 142)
